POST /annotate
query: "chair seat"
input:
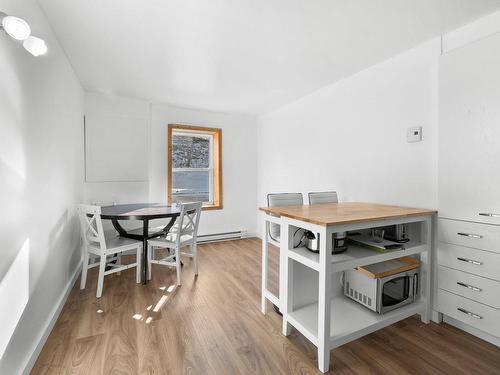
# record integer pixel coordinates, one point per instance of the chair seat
(169, 240)
(109, 233)
(117, 243)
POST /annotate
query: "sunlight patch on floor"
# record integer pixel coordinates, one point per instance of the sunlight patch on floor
(160, 303)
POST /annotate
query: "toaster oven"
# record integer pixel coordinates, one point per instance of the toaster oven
(382, 294)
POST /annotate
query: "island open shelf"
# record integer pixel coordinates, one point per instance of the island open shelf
(348, 320)
(355, 256)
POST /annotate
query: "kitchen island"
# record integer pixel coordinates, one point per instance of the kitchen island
(310, 284)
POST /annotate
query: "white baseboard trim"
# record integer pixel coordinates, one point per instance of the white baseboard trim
(40, 342)
(473, 331)
(218, 237)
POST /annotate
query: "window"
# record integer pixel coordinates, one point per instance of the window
(195, 165)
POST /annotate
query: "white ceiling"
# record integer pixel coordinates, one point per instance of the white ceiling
(241, 55)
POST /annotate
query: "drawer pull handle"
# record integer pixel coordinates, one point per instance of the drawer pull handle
(475, 262)
(478, 236)
(469, 313)
(471, 287)
(488, 214)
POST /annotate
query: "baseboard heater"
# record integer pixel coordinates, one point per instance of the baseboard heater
(226, 236)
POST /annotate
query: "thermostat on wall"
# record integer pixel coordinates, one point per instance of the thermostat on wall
(414, 134)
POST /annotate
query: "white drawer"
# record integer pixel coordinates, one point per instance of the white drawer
(473, 313)
(478, 236)
(473, 287)
(477, 262)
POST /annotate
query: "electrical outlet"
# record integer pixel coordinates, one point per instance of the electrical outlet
(414, 134)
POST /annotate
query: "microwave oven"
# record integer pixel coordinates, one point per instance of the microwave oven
(382, 294)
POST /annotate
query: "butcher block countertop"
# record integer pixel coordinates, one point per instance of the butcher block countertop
(344, 213)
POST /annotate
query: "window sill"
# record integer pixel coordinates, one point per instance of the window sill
(212, 207)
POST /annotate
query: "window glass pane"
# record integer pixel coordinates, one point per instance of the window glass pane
(190, 151)
(191, 186)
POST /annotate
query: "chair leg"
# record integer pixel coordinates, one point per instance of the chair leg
(100, 277)
(119, 261)
(138, 266)
(194, 251)
(178, 265)
(150, 257)
(85, 267)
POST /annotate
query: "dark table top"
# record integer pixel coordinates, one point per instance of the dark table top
(139, 211)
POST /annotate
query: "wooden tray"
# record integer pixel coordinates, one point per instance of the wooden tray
(389, 267)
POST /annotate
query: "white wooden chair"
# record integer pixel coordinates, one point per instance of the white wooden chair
(108, 248)
(281, 199)
(323, 197)
(184, 233)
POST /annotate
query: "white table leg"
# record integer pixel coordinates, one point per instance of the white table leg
(265, 249)
(427, 271)
(437, 317)
(286, 274)
(324, 300)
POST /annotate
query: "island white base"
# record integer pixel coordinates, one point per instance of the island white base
(311, 293)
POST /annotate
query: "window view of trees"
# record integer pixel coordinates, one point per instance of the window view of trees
(190, 152)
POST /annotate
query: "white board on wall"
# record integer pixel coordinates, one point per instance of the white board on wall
(115, 148)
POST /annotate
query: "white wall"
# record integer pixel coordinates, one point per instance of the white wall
(111, 181)
(351, 136)
(238, 158)
(41, 175)
(108, 121)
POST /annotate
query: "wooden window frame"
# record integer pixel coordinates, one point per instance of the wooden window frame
(216, 161)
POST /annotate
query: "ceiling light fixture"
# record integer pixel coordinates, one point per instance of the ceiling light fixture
(35, 46)
(16, 27)
(19, 29)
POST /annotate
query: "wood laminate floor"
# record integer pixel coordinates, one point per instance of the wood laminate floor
(212, 325)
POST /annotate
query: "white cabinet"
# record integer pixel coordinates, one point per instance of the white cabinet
(469, 132)
(469, 186)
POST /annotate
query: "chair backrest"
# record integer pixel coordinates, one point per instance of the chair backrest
(188, 220)
(281, 199)
(91, 225)
(323, 197)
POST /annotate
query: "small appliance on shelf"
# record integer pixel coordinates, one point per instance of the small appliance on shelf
(384, 286)
(310, 241)
(396, 233)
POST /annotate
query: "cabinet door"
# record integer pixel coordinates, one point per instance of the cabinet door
(475, 314)
(469, 132)
(464, 233)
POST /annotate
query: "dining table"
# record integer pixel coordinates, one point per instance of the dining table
(144, 212)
